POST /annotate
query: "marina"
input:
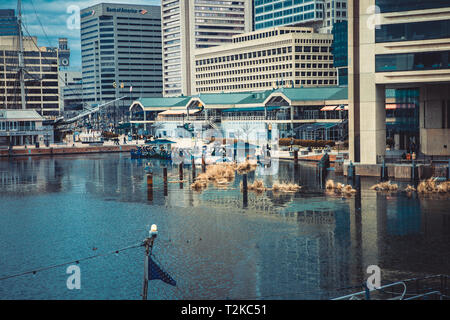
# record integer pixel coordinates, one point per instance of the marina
(302, 245)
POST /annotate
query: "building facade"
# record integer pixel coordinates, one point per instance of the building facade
(23, 127)
(340, 51)
(8, 23)
(41, 77)
(195, 24)
(401, 44)
(71, 88)
(320, 14)
(120, 44)
(262, 60)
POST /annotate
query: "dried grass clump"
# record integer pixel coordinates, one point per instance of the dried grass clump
(329, 185)
(285, 187)
(431, 186)
(220, 171)
(410, 188)
(339, 188)
(385, 186)
(245, 167)
(199, 185)
(257, 185)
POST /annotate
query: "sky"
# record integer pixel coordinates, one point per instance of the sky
(53, 15)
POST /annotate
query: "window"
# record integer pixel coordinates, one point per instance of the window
(412, 61)
(408, 5)
(413, 31)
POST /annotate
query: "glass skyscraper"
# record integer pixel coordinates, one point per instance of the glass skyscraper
(8, 23)
(320, 14)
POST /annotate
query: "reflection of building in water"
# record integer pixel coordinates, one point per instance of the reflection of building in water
(403, 218)
(315, 260)
(410, 235)
(31, 175)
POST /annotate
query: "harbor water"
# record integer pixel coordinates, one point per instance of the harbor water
(305, 245)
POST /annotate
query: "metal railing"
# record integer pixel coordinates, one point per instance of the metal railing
(413, 289)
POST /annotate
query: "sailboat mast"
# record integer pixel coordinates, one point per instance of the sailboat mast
(20, 55)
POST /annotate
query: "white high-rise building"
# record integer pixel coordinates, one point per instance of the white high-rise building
(120, 49)
(194, 24)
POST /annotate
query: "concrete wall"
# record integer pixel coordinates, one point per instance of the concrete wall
(434, 139)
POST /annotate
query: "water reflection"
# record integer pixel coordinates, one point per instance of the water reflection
(217, 244)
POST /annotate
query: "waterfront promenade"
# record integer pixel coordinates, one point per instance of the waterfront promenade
(69, 148)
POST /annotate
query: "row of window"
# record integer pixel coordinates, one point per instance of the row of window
(309, 70)
(261, 85)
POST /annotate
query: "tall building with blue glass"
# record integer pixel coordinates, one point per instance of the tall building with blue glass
(8, 23)
(340, 51)
(320, 14)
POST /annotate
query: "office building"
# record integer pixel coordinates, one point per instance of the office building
(120, 50)
(340, 51)
(71, 88)
(190, 25)
(41, 77)
(406, 45)
(8, 23)
(320, 14)
(291, 57)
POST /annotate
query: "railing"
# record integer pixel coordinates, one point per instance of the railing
(417, 288)
(181, 119)
(244, 118)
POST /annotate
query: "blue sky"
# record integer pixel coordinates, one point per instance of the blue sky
(53, 16)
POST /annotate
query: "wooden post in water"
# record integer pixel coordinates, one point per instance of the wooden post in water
(296, 156)
(150, 186)
(448, 171)
(181, 175)
(180, 169)
(203, 163)
(245, 190)
(165, 181)
(193, 169)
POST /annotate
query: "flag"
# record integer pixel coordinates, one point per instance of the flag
(114, 84)
(122, 85)
(131, 88)
(156, 273)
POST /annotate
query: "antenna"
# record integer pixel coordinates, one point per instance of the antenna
(21, 61)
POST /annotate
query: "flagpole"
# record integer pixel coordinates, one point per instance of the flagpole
(148, 243)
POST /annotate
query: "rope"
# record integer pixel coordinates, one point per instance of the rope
(77, 261)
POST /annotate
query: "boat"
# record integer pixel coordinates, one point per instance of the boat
(156, 149)
(91, 137)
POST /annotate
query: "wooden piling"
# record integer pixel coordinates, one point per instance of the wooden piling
(245, 190)
(150, 186)
(165, 182)
(203, 164)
